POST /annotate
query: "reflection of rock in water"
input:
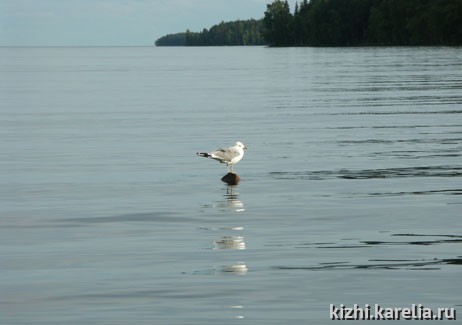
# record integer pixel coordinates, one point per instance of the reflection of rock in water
(239, 269)
(230, 242)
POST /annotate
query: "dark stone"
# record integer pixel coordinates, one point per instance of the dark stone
(231, 179)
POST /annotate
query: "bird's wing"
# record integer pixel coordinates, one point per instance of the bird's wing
(225, 155)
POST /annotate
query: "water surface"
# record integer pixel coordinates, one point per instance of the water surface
(350, 191)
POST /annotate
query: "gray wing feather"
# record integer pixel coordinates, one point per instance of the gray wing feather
(225, 155)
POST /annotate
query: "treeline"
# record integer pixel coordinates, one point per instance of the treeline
(337, 23)
(240, 32)
(364, 22)
(178, 39)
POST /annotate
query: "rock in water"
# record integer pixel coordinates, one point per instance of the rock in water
(231, 179)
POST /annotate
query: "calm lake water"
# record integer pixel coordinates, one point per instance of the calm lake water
(350, 191)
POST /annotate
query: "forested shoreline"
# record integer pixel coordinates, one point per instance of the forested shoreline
(364, 22)
(338, 23)
(239, 32)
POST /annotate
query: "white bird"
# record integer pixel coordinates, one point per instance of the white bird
(229, 156)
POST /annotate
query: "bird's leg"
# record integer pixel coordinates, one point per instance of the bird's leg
(232, 168)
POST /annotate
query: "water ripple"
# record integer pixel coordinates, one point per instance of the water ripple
(454, 111)
(392, 263)
(350, 174)
(394, 141)
(429, 264)
(135, 217)
(430, 192)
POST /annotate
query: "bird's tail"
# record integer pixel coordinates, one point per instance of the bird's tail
(203, 154)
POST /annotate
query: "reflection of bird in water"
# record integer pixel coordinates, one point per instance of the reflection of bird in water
(240, 268)
(230, 242)
(232, 202)
(229, 204)
(229, 156)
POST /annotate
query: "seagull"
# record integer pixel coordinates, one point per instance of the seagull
(229, 156)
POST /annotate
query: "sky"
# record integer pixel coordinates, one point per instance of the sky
(114, 22)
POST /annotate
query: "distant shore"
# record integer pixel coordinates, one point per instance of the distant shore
(337, 23)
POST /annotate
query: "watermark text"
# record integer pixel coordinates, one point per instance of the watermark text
(376, 312)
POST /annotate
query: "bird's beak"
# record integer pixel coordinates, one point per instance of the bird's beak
(245, 147)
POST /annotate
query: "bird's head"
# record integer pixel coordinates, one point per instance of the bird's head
(241, 145)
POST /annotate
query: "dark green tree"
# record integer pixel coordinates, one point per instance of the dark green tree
(364, 22)
(178, 39)
(338, 23)
(279, 24)
(240, 32)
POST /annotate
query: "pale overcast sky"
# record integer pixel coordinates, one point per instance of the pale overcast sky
(114, 22)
